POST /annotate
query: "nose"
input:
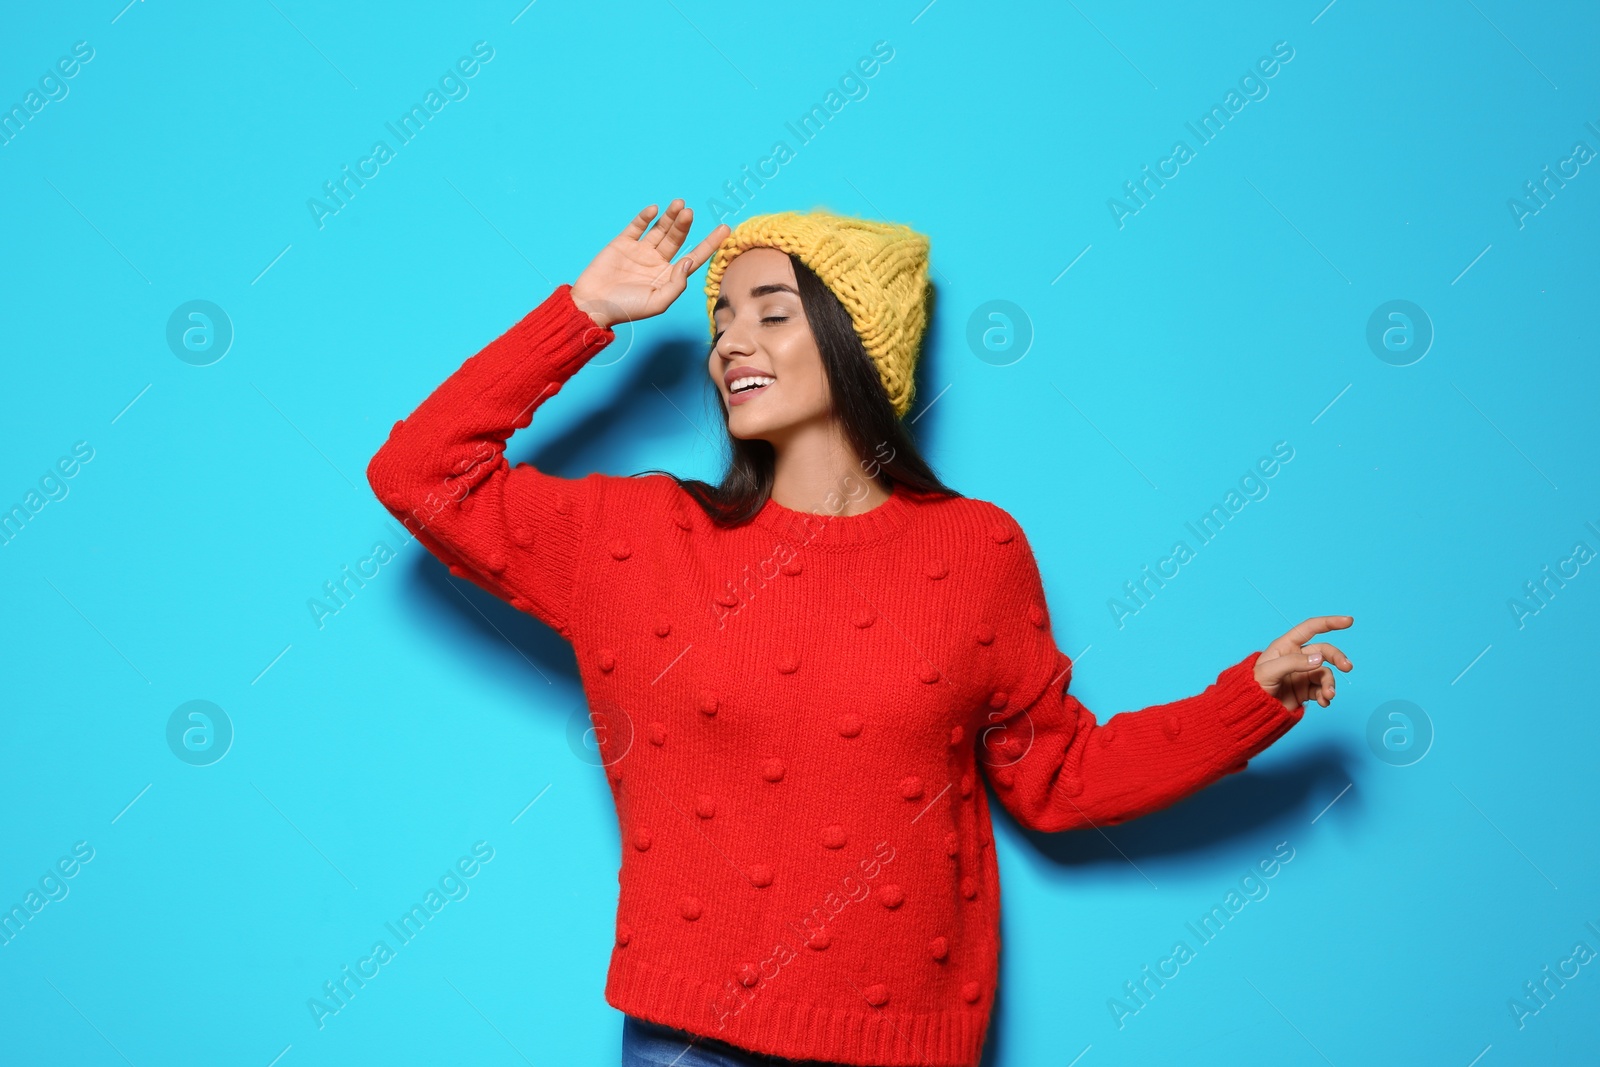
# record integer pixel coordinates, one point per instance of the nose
(734, 342)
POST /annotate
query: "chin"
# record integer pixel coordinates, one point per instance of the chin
(748, 429)
(771, 424)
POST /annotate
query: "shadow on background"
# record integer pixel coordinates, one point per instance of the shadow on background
(1241, 806)
(466, 614)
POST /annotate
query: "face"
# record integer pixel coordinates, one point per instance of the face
(762, 328)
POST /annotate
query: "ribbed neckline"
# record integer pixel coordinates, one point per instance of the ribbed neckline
(825, 530)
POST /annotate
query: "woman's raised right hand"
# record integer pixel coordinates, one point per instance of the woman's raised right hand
(634, 279)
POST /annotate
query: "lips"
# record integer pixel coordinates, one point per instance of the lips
(747, 395)
(739, 389)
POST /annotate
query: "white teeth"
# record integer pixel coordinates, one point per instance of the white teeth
(750, 382)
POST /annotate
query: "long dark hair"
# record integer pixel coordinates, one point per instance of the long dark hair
(859, 400)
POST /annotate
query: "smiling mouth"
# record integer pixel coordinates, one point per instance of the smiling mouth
(741, 390)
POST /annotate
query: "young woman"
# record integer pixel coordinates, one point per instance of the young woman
(796, 674)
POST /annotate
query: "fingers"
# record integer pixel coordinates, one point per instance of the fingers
(668, 232)
(1281, 667)
(640, 221)
(1330, 654)
(1323, 686)
(1313, 626)
(678, 232)
(704, 250)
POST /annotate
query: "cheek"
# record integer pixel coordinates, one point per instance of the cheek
(817, 389)
(798, 362)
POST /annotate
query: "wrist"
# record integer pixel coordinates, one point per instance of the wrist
(592, 308)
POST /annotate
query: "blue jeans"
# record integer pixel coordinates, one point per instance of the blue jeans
(648, 1044)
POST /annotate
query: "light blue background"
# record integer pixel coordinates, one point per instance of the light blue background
(1229, 314)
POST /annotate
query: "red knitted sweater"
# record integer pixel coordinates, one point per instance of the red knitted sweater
(793, 714)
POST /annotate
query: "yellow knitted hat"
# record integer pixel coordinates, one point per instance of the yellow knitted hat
(878, 270)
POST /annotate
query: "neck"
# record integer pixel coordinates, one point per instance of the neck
(816, 470)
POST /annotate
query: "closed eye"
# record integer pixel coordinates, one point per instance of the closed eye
(769, 318)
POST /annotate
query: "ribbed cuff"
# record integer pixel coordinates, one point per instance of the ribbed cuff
(1253, 717)
(797, 1029)
(550, 344)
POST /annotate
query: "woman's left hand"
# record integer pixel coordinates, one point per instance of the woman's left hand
(1297, 673)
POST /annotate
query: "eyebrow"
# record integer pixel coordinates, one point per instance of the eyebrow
(758, 290)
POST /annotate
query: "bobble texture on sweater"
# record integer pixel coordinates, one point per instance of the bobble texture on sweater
(796, 712)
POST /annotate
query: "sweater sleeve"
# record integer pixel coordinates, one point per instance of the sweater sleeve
(1056, 767)
(514, 531)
